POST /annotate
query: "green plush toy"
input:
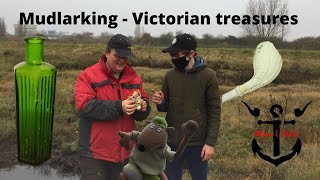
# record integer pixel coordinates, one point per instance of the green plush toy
(148, 157)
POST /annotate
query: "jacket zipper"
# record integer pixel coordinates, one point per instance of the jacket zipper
(119, 96)
(122, 119)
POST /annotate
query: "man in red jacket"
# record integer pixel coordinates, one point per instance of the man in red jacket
(102, 96)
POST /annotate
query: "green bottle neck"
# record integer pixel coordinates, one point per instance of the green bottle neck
(34, 50)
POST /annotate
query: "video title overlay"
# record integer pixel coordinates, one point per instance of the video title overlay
(144, 18)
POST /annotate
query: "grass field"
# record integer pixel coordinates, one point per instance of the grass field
(297, 84)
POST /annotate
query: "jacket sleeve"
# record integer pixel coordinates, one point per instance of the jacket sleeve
(90, 107)
(142, 115)
(213, 109)
(163, 107)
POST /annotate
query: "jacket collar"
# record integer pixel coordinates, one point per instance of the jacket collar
(198, 64)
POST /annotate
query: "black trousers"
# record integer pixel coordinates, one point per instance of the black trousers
(94, 169)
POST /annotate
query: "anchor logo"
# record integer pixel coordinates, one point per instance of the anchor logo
(276, 135)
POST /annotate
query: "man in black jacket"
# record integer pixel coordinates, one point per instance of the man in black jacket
(190, 92)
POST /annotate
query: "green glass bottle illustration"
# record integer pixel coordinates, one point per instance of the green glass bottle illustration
(35, 82)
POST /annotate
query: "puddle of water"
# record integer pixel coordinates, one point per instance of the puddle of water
(25, 172)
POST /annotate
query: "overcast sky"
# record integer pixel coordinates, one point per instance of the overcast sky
(307, 11)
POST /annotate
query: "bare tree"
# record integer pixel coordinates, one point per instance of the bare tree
(20, 30)
(137, 32)
(271, 8)
(179, 32)
(3, 27)
(207, 36)
(145, 40)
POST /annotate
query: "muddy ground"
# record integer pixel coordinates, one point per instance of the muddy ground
(65, 162)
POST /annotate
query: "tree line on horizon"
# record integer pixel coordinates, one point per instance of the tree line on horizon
(252, 34)
(205, 41)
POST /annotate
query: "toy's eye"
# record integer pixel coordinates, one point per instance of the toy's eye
(152, 126)
(159, 130)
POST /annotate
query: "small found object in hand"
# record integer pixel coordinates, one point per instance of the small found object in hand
(136, 96)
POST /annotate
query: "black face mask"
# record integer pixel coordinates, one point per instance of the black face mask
(180, 62)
